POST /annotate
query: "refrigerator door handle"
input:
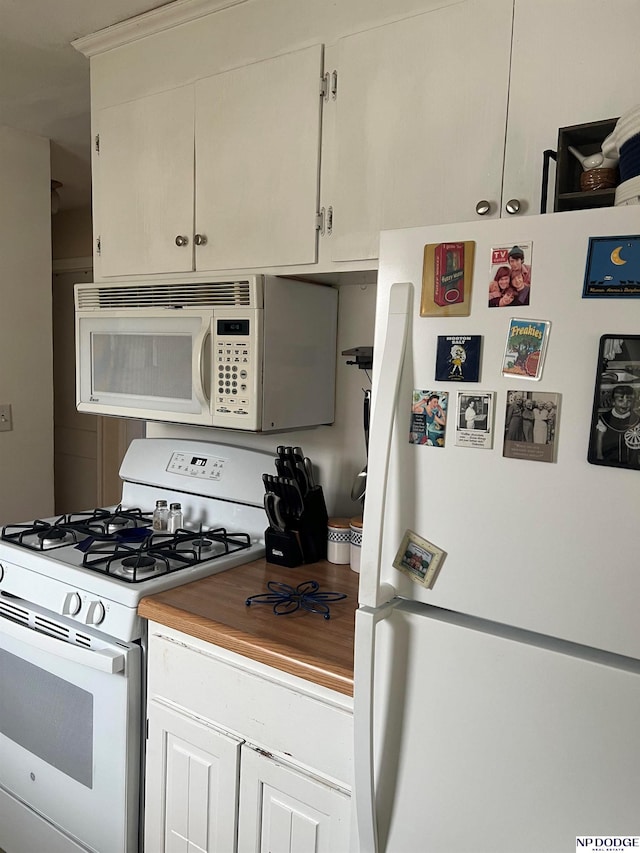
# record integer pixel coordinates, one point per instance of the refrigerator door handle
(367, 619)
(385, 394)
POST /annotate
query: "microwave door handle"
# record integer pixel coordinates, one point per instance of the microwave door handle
(198, 366)
(104, 660)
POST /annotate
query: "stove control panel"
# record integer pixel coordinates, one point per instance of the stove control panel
(202, 467)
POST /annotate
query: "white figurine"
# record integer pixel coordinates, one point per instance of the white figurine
(594, 161)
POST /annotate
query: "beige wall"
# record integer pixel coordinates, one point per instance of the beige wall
(26, 382)
(88, 449)
(71, 235)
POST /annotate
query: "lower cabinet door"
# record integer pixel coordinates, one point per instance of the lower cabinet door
(192, 776)
(286, 811)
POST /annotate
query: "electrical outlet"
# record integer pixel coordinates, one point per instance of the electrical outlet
(5, 417)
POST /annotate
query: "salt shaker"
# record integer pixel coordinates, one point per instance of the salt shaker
(160, 516)
(338, 541)
(175, 518)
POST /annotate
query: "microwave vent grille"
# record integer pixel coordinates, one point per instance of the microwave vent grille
(155, 295)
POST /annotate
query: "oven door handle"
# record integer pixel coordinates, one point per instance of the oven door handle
(103, 659)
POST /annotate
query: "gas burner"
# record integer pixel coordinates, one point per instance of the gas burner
(42, 535)
(107, 522)
(138, 567)
(53, 537)
(140, 562)
(203, 544)
(205, 547)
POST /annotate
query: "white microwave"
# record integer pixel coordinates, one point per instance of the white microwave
(254, 354)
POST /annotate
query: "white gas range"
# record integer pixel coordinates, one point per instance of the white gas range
(72, 647)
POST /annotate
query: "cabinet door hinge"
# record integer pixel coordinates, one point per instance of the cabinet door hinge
(98, 246)
(329, 220)
(320, 217)
(334, 84)
(324, 86)
(97, 143)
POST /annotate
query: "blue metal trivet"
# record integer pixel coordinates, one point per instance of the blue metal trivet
(287, 599)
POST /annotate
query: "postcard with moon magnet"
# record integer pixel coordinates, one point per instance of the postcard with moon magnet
(613, 268)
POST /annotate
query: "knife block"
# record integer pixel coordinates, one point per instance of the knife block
(282, 548)
(307, 542)
(312, 526)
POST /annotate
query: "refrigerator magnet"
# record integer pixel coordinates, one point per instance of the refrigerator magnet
(447, 273)
(613, 268)
(418, 559)
(525, 348)
(531, 425)
(614, 438)
(474, 419)
(510, 272)
(428, 418)
(458, 358)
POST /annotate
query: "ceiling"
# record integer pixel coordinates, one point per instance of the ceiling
(44, 82)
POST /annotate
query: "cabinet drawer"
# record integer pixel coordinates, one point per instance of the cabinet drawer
(277, 712)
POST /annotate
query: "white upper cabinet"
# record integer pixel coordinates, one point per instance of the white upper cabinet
(144, 185)
(421, 107)
(572, 63)
(439, 116)
(258, 159)
(241, 147)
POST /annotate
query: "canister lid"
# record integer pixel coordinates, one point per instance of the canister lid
(340, 523)
(356, 522)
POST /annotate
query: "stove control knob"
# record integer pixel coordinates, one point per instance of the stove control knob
(72, 604)
(95, 613)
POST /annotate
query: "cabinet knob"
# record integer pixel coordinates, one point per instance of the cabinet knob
(512, 206)
(181, 241)
(200, 239)
(483, 207)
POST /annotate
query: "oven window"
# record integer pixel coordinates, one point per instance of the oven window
(48, 716)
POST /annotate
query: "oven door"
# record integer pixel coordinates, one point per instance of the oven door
(70, 728)
(154, 365)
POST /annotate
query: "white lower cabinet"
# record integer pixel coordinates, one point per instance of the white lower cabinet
(242, 758)
(285, 811)
(191, 784)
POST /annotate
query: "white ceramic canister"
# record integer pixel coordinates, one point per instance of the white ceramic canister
(339, 541)
(355, 526)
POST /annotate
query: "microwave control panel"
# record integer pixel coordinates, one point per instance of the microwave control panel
(234, 370)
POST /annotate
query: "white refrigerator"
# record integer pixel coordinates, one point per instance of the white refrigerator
(498, 710)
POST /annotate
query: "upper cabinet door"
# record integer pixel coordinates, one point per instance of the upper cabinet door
(595, 75)
(420, 124)
(257, 161)
(144, 185)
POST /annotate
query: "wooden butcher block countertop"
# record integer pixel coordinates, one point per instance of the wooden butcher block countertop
(303, 643)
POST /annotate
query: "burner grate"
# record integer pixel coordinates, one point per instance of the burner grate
(161, 553)
(106, 522)
(42, 535)
(73, 528)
